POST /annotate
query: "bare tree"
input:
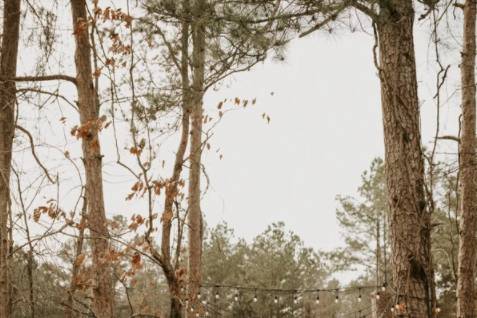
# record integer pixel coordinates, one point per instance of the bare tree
(468, 171)
(88, 131)
(195, 213)
(8, 69)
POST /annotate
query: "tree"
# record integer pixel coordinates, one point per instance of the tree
(364, 224)
(8, 69)
(195, 213)
(410, 228)
(277, 259)
(88, 131)
(468, 171)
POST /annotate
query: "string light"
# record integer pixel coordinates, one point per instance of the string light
(359, 295)
(217, 296)
(255, 298)
(337, 298)
(276, 300)
(236, 297)
(295, 299)
(378, 296)
(199, 295)
(317, 297)
(383, 288)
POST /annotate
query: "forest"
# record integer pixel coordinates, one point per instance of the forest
(112, 145)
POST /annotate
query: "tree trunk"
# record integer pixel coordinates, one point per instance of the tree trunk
(410, 220)
(176, 304)
(8, 69)
(195, 214)
(468, 171)
(70, 301)
(92, 158)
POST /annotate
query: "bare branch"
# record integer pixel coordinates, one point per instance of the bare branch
(32, 146)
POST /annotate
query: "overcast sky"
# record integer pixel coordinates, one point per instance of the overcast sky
(324, 131)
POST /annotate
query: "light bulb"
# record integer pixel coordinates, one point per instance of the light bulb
(378, 296)
(275, 300)
(217, 296)
(337, 299)
(317, 299)
(236, 297)
(360, 298)
(255, 298)
(438, 310)
(295, 299)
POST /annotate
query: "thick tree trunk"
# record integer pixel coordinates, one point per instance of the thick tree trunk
(195, 213)
(8, 69)
(410, 220)
(468, 171)
(92, 158)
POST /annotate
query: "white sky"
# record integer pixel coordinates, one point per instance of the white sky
(325, 129)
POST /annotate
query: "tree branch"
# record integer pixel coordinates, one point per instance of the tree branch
(30, 138)
(43, 78)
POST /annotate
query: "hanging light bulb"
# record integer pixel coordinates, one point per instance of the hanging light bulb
(392, 309)
(438, 310)
(197, 315)
(236, 297)
(317, 301)
(359, 296)
(255, 298)
(191, 308)
(295, 299)
(378, 296)
(383, 288)
(217, 296)
(204, 302)
(337, 298)
(276, 300)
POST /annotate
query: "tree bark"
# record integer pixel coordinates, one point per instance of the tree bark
(88, 102)
(468, 171)
(8, 69)
(195, 213)
(410, 219)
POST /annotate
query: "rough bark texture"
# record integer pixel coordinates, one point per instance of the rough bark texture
(8, 69)
(92, 158)
(195, 213)
(409, 220)
(468, 171)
